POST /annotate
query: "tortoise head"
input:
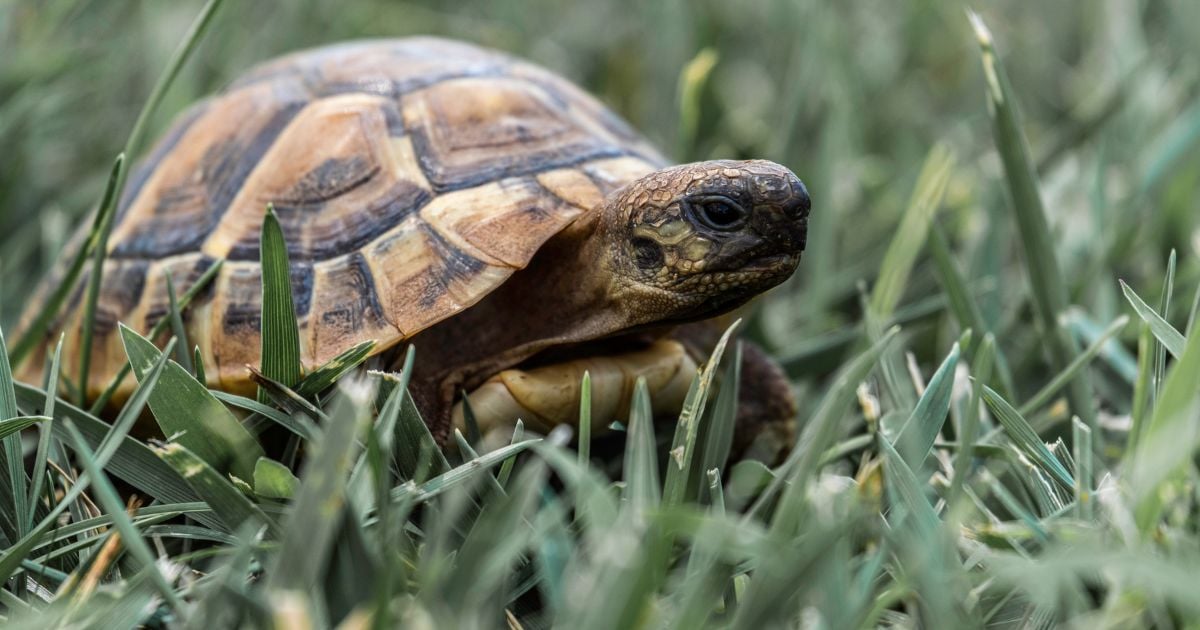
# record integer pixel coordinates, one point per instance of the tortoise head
(693, 241)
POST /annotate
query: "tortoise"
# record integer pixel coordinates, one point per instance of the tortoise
(456, 198)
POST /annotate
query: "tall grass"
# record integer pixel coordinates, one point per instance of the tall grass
(985, 439)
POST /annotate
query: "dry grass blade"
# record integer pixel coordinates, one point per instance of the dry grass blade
(108, 497)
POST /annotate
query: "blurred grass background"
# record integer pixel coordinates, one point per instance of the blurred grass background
(850, 95)
(867, 102)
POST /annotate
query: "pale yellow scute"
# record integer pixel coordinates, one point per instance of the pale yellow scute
(402, 161)
(349, 310)
(612, 174)
(573, 187)
(505, 221)
(422, 279)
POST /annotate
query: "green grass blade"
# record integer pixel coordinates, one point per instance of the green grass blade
(280, 328)
(1050, 299)
(184, 357)
(37, 328)
(916, 437)
(641, 490)
(1061, 379)
(16, 425)
(285, 397)
(1141, 387)
(187, 413)
(507, 467)
(963, 304)
(1025, 438)
(683, 445)
(469, 454)
(131, 460)
(201, 283)
(820, 431)
(1164, 332)
(198, 366)
(417, 453)
(11, 558)
(297, 423)
(981, 370)
(226, 500)
(1195, 310)
(130, 536)
(45, 435)
(596, 506)
(316, 513)
(474, 436)
(585, 419)
(910, 235)
(15, 505)
(1114, 353)
(718, 435)
(455, 477)
(1081, 439)
(1170, 437)
(1164, 307)
(691, 82)
(905, 489)
(98, 243)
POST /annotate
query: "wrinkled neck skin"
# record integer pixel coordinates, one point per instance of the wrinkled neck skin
(565, 296)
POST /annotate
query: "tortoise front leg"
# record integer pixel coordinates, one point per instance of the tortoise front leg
(547, 396)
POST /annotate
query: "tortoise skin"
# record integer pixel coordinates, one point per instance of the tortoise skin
(411, 178)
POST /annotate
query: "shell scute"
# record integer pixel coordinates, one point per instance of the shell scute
(411, 178)
(477, 130)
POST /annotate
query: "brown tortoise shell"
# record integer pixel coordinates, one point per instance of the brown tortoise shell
(411, 177)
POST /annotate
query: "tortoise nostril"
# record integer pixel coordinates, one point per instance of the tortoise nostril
(798, 206)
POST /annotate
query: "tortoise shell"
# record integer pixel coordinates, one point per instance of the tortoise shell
(411, 177)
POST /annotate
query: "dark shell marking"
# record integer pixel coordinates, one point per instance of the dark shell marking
(405, 174)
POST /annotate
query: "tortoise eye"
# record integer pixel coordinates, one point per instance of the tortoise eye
(719, 213)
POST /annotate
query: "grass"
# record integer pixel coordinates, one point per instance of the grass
(985, 437)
